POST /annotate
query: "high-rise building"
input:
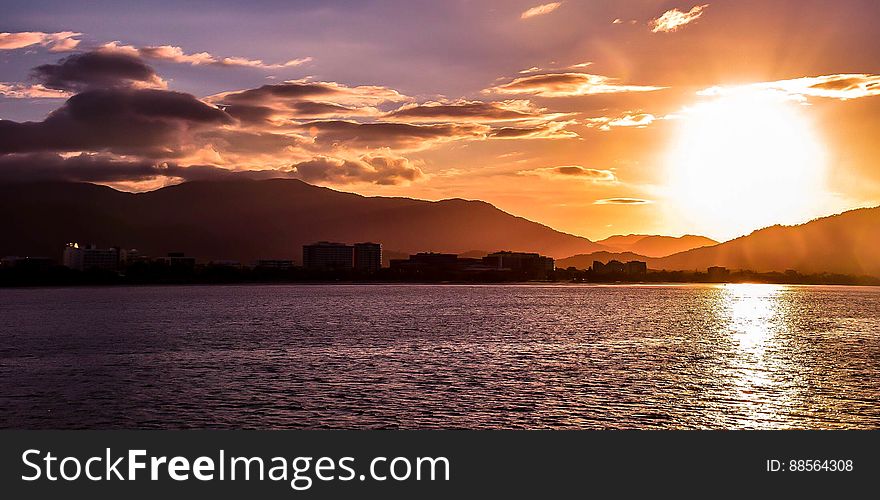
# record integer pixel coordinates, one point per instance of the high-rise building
(328, 256)
(83, 258)
(530, 263)
(367, 257)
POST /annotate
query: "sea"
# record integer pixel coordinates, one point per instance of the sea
(410, 356)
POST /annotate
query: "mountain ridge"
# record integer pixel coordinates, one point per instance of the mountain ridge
(250, 219)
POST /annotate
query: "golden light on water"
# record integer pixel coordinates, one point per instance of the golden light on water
(758, 375)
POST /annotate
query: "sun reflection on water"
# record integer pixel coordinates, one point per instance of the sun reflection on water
(758, 374)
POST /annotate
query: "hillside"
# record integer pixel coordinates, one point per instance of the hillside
(654, 245)
(246, 220)
(847, 243)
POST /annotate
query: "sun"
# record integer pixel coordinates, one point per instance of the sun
(745, 160)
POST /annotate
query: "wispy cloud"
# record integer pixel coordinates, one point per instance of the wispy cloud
(176, 54)
(573, 172)
(840, 86)
(26, 91)
(621, 201)
(673, 20)
(540, 10)
(61, 41)
(637, 120)
(474, 111)
(567, 85)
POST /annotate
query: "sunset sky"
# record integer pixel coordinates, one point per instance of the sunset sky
(593, 117)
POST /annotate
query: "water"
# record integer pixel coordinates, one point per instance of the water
(412, 356)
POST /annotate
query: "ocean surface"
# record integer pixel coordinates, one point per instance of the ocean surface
(441, 356)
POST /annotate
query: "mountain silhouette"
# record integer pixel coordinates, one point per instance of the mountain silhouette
(655, 245)
(847, 243)
(247, 220)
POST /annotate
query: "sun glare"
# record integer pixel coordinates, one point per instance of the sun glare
(744, 161)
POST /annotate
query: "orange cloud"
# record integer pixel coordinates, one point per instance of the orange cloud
(472, 111)
(622, 201)
(540, 10)
(673, 20)
(61, 41)
(566, 85)
(637, 120)
(24, 91)
(573, 172)
(840, 86)
(177, 55)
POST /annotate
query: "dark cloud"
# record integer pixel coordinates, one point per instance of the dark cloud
(550, 130)
(381, 169)
(80, 168)
(303, 90)
(477, 111)
(97, 70)
(238, 141)
(152, 123)
(40, 167)
(391, 135)
(375, 169)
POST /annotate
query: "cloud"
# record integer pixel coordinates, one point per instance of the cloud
(61, 41)
(549, 130)
(304, 89)
(25, 91)
(621, 201)
(375, 168)
(152, 123)
(110, 169)
(97, 70)
(350, 134)
(566, 85)
(176, 54)
(471, 111)
(379, 168)
(573, 172)
(674, 19)
(637, 120)
(840, 86)
(277, 104)
(540, 10)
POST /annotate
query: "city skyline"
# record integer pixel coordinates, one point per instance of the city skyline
(595, 118)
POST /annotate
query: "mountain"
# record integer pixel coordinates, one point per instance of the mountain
(847, 243)
(655, 246)
(248, 219)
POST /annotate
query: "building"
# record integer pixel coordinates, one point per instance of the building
(86, 257)
(615, 267)
(275, 264)
(718, 273)
(180, 262)
(328, 256)
(427, 262)
(520, 262)
(367, 257)
(612, 267)
(635, 268)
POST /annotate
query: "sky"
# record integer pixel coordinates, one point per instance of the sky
(593, 117)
